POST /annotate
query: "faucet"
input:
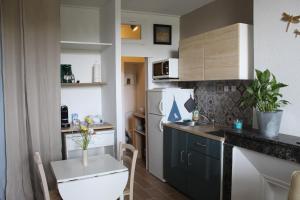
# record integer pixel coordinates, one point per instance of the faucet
(207, 119)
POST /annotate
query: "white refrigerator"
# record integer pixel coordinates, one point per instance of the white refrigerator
(160, 103)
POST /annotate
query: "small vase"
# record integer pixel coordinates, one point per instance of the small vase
(85, 157)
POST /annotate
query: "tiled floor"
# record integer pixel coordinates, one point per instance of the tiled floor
(147, 187)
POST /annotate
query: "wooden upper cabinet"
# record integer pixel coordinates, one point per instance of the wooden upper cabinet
(191, 60)
(227, 54)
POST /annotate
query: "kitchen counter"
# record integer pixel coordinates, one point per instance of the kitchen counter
(283, 146)
(96, 127)
(207, 131)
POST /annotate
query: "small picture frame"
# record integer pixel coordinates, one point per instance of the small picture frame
(162, 34)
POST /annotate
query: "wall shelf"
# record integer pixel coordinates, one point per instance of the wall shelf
(140, 132)
(165, 80)
(94, 46)
(82, 84)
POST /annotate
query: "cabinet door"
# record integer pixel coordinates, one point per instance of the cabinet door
(175, 151)
(222, 54)
(203, 176)
(191, 59)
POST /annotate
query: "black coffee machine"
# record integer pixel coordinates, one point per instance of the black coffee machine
(64, 117)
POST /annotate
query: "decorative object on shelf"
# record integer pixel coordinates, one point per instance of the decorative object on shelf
(264, 95)
(66, 74)
(86, 133)
(162, 34)
(96, 72)
(296, 32)
(290, 19)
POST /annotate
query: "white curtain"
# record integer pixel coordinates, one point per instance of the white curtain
(30, 47)
(2, 134)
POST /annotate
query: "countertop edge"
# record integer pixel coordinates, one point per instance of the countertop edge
(195, 132)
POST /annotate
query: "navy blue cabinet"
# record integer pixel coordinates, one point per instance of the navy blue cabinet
(192, 164)
(175, 158)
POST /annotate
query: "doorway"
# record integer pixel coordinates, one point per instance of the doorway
(134, 101)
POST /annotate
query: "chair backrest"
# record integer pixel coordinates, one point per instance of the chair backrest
(39, 164)
(123, 157)
(294, 191)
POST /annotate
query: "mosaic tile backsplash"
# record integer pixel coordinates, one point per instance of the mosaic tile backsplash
(220, 100)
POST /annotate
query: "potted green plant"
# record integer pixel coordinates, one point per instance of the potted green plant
(263, 94)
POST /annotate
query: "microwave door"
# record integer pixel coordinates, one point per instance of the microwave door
(157, 70)
(165, 68)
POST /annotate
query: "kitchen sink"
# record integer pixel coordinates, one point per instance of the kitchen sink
(191, 123)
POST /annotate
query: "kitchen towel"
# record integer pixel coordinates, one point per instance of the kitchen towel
(174, 113)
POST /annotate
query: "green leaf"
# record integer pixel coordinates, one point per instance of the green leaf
(264, 93)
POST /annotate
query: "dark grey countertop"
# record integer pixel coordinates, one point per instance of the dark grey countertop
(283, 146)
(207, 131)
(286, 147)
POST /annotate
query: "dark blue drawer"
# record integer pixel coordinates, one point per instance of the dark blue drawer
(204, 145)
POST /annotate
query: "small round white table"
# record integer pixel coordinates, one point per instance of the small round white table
(104, 178)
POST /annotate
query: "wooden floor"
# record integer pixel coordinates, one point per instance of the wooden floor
(147, 187)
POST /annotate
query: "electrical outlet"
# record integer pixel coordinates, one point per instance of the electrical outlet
(226, 88)
(233, 88)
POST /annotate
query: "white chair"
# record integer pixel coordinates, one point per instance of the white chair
(48, 195)
(131, 160)
(294, 191)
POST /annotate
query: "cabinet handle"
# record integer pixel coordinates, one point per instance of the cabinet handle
(200, 144)
(160, 126)
(189, 159)
(160, 107)
(181, 156)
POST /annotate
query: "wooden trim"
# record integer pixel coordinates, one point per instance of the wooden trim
(82, 84)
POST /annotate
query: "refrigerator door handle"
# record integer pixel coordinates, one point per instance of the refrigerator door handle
(160, 107)
(160, 126)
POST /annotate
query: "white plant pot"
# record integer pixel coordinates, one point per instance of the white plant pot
(85, 157)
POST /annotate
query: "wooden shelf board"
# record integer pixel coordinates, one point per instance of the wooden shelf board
(139, 115)
(84, 45)
(82, 84)
(140, 132)
(165, 80)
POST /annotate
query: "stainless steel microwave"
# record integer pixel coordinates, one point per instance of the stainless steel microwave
(165, 69)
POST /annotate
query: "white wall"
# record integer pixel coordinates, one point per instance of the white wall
(81, 24)
(112, 109)
(145, 47)
(279, 51)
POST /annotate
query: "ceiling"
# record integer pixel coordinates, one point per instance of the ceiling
(169, 7)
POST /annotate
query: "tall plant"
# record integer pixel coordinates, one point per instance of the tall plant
(264, 93)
